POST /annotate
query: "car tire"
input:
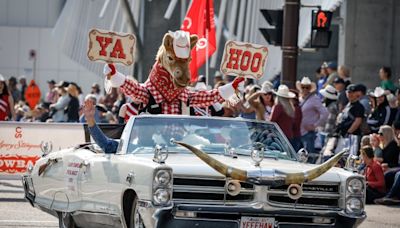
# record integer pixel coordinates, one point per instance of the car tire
(134, 219)
(65, 220)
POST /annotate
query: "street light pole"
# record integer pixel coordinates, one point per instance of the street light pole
(289, 42)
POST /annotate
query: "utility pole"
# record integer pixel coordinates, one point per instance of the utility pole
(289, 42)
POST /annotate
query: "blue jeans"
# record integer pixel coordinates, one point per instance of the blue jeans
(395, 190)
(296, 143)
(308, 141)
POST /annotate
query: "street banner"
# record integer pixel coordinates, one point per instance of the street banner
(244, 59)
(22, 144)
(111, 47)
(199, 20)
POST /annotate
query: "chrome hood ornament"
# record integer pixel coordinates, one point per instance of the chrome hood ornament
(160, 154)
(260, 176)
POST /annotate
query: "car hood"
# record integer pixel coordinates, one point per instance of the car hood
(191, 165)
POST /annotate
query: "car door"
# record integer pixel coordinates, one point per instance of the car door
(94, 189)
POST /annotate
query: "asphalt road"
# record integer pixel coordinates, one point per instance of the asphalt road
(16, 212)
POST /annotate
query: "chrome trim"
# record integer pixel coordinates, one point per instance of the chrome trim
(148, 212)
(269, 177)
(95, 219)
(210, 189)
(308, 195)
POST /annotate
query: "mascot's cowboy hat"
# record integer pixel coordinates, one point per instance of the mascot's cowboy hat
(329, 92)
(181, 44)
(283, 91)
(305, 81)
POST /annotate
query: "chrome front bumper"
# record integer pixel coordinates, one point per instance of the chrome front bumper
(187, 215)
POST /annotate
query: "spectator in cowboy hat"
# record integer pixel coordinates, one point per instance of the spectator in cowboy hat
(262, 101)
(283, 112)
(330, 100)
(340, 87)
(313, 112)
(382, 113)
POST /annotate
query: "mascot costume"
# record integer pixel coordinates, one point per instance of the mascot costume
(165, 91)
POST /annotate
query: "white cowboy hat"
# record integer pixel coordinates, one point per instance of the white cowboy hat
(329, 92)
(378, 92)
(283, 91)
(306, 81)
(267, 87)
(181, 44)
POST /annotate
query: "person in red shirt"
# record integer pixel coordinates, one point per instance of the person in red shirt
(373, 175)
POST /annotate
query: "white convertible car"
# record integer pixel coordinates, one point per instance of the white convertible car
(183, 171)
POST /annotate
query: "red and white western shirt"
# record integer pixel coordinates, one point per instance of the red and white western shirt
(168, 98)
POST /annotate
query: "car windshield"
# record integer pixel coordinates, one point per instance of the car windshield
(213, 136)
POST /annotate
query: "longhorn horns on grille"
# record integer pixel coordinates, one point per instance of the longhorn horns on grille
(238, 174)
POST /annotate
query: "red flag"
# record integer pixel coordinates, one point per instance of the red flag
(200, 18)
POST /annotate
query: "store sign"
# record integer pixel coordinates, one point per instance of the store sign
(111, 47)
(244, 59)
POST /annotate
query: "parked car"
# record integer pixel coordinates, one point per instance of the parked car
(186, 171)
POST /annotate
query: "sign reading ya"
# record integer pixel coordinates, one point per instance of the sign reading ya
(111, 47)
(244, 59)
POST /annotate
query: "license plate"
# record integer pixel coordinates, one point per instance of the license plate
(257, 222)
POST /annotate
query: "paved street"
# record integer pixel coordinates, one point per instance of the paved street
(16, 212)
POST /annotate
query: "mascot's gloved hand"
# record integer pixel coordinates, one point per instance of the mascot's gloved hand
(228, 90)
(113, 77)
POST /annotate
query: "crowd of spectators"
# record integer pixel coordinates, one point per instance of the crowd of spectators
(365, 120)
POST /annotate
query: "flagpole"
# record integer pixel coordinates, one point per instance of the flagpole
(207, 57)
(207, 64)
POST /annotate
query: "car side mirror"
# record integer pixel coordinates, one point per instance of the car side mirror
(302, 155)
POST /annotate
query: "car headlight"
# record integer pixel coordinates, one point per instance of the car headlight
(162, 186)
(161, 196)
(162, 177)
(354, 205)
(355, 186)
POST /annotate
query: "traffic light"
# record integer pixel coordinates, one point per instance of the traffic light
(320, 24)
(275, 18)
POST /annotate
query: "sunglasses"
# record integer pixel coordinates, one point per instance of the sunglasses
(380, 133)
(305, 87)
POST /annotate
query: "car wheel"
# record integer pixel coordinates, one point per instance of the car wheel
(65, 220)
(134, 220)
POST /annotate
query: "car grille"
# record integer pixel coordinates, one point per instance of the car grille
(208, 190)
(315, 195)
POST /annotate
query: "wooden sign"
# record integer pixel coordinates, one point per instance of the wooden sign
(244, 59)
(111, 47)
